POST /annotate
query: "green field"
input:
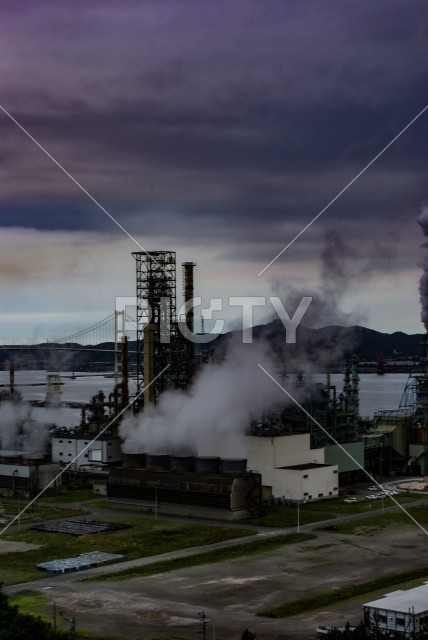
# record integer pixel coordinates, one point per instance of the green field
(286, 516)
(379, 521)
(38, 512)
(76, 495)
(144, 538)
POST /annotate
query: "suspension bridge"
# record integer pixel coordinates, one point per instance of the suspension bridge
(111, 329)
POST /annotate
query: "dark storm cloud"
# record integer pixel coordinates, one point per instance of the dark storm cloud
(241, 118)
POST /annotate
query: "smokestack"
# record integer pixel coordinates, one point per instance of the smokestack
(125, 386)
(12, 376)
(188, 294)
(149, 362)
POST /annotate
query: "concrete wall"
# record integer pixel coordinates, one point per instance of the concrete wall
(27, 480)
(44, 474)
(265, 454)
(306, 484)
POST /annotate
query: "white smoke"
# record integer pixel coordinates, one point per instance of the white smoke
(18, 431)
(214, 415)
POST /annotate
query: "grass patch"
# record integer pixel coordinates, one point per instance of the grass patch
(36, 604)
(38, 512)
(208, 557)
(328, 598)
(76, 495)
(145, 538)
(380, 521)
(31, 602)
(286, 516)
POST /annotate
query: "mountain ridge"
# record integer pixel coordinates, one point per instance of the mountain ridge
(335, 341)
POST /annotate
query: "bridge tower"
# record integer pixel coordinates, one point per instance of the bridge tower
(119, 336)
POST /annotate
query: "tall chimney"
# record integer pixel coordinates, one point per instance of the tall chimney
(188, 294)
(12, 376)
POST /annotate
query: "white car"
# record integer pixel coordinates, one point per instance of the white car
(371, 497)
(350, 500)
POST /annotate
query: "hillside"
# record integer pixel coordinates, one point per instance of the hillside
(333, 342)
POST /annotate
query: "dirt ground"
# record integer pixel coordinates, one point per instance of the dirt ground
(7, 546)
(167, 605)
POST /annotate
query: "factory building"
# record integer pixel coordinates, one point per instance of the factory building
(290, 469)
(25, 474)
(279, 464)
(207, 487)
(69, 446)
(397, 443)
(401, 613)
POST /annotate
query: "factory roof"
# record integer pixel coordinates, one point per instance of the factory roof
(303, 467)
(415, 600)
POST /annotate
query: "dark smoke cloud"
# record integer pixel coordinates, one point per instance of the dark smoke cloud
(344, 265)
(423, 284)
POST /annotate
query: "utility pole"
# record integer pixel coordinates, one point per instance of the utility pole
(204, 621)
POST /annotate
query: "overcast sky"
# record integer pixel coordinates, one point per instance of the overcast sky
(219, 130)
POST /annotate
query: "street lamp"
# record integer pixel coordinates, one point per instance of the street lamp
(156, 499)
(13, 480)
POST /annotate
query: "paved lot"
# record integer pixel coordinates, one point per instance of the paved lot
(232, 593)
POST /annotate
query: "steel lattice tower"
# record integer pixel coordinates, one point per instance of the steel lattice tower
(156, 322)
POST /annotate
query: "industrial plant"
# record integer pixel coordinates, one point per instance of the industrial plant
(287, 454)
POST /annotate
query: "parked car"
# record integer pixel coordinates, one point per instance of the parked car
(330, 527)
(372, 488)
(323, 631)
(350, 500)
(352, 492)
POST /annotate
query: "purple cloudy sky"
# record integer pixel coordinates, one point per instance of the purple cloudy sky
(218, 129)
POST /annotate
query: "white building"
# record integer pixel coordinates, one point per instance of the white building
(68, 446)
(403, 612)
(291, 469)
(23, 474)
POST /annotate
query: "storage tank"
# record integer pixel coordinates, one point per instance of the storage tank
(234, 466)
(182, 463)
(134, 460)
(207, 464)
(157, 461)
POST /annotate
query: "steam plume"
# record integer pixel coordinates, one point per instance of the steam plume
(212, 418)
(423, 285)
(18, 431)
